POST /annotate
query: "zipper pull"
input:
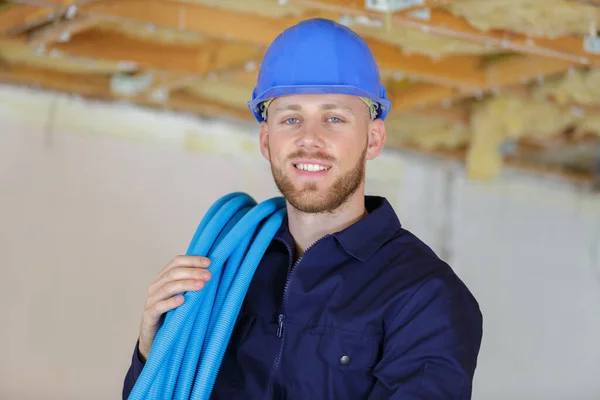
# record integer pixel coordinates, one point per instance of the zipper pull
(280, 326)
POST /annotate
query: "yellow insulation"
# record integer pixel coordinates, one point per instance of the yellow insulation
(537, 18)
(426, 132)
(484, 160)
(568, 92)
(590, 125)
(578, 87)
(418, 42)
(517, 116)
(221, 92)
(493, 121)
(514, 117)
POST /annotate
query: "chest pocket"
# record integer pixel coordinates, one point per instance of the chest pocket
(331, 364)
(346, 352)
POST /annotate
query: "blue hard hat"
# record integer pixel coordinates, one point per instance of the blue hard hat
(319, 56)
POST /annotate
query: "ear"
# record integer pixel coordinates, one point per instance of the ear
(264, 140)
(376, 138)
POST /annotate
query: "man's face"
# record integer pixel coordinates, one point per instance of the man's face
(318, 146)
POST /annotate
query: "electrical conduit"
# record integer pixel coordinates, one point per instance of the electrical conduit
(189, 347)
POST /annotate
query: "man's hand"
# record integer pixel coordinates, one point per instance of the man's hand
(182, 274)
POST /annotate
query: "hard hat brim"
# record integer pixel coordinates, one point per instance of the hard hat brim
(279, 91)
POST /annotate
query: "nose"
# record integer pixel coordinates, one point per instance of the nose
(310, 136)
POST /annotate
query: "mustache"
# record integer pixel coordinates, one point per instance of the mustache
(316, 155)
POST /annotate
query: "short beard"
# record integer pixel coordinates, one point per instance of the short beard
(307, 199)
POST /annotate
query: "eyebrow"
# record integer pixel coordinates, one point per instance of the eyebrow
(335, 106)
(294, 107)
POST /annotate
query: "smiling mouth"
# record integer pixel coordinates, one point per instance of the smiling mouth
(311, 167)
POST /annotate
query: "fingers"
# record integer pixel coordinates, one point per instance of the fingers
(182, 274)
(156, 310)
(185, 273)
(186, 261)
(178, 274)
(174, 287)
(182, 267)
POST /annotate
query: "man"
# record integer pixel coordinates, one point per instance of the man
(345, 304)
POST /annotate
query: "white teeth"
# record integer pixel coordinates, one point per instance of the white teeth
(310, 167)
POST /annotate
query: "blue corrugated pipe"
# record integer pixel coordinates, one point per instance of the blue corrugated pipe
(189, 347)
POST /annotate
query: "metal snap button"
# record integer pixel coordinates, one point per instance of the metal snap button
(345, 360)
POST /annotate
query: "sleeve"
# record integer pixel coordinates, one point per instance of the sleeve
(134, 372)
(431, 345)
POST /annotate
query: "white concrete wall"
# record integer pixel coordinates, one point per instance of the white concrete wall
(95, 199)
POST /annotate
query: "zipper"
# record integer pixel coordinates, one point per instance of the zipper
(285, 289)
(281, 317)
(280, 326)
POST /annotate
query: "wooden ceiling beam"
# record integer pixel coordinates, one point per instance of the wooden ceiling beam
(522, 69)
(443, 23)
(463, 72)
(454, 71)
(116, 46)
(51, 3)
(460, 71)
(61, 31)
(418, 95)
(214, 22)
(39, 13)
(17, 16)
(98, 87)
(185, 102)
(177, 67)
(24, 75)
(177, 58)
(359, 5)
(58, 3)
(55, 4)
(514, 70)
(168, 81)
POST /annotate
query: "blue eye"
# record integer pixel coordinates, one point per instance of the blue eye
(287, 121)
(337, 120)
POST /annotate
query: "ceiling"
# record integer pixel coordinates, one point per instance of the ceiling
(492, 83)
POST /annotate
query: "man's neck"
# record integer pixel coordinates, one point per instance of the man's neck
(308, 228)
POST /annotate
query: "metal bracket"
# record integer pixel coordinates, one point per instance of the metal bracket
(509, 147)
(591, 44)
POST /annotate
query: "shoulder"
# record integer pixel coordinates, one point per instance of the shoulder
(425, 279)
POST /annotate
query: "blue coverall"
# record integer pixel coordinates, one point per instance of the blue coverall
(369, 312)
